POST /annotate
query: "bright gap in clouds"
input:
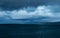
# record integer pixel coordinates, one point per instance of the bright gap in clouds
(51, 12)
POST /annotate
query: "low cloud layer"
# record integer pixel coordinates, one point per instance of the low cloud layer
(31, 14)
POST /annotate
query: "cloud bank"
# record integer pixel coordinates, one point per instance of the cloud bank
(50, 13)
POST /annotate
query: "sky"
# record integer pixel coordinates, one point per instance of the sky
(29, 11)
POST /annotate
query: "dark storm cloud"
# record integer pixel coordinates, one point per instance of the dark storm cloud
(16, 4)
(54, 2)
(26, 15)
(29, 11)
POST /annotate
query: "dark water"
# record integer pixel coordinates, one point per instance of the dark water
(29, 31)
